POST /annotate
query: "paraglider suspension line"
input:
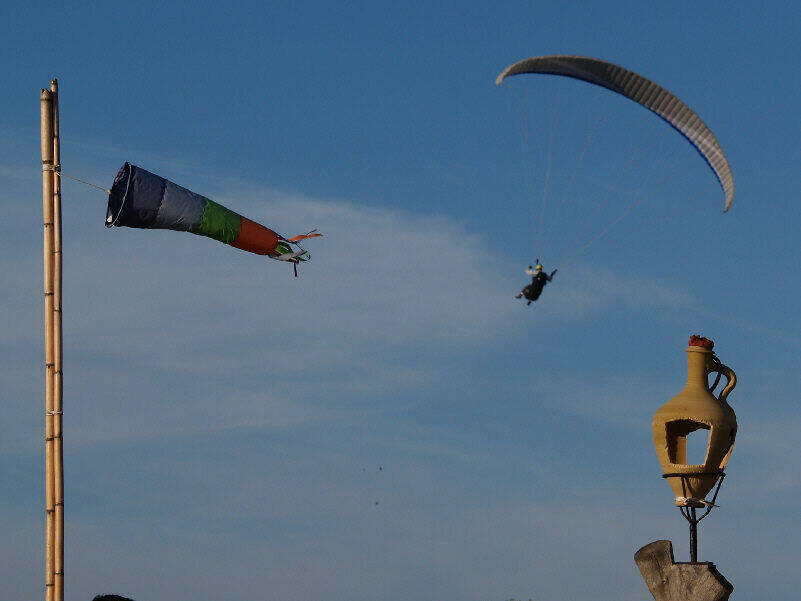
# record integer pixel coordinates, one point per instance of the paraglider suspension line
(689, 511)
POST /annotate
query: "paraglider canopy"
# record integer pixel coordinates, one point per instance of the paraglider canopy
(642, 91)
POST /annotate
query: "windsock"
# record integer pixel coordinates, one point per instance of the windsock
(142, 199)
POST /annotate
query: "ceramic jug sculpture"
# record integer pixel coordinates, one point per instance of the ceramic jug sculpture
(696, 408)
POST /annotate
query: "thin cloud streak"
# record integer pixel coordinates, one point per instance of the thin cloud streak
(385, 291)
(213, 341)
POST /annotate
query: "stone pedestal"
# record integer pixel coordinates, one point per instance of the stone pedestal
(671, 581)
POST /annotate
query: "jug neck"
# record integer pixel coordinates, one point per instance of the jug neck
(697, 367)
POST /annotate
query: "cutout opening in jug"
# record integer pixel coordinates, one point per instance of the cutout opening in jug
(688, 442)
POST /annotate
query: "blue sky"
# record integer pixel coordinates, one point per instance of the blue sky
(225, 423)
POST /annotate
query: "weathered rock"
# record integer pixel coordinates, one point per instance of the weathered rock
(671, 581)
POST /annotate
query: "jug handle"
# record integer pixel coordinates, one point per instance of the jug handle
(723, 370)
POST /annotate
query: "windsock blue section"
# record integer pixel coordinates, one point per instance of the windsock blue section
(180, 209)
(145, 200)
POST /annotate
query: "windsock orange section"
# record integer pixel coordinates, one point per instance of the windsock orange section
(254, 237)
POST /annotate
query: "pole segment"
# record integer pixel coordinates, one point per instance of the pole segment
(47, 212)
(693, 536)
(58, 388)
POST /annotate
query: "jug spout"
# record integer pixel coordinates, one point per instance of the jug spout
(699, 364)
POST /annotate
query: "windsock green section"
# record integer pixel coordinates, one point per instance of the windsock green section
(218, 222)
(142, 199)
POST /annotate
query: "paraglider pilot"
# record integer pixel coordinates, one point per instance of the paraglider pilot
(538, 280)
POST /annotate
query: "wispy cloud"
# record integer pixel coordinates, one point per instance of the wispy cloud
(175, 340)
(152, 316)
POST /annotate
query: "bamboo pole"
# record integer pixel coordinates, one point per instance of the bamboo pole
(47, 211)
(58, 388)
